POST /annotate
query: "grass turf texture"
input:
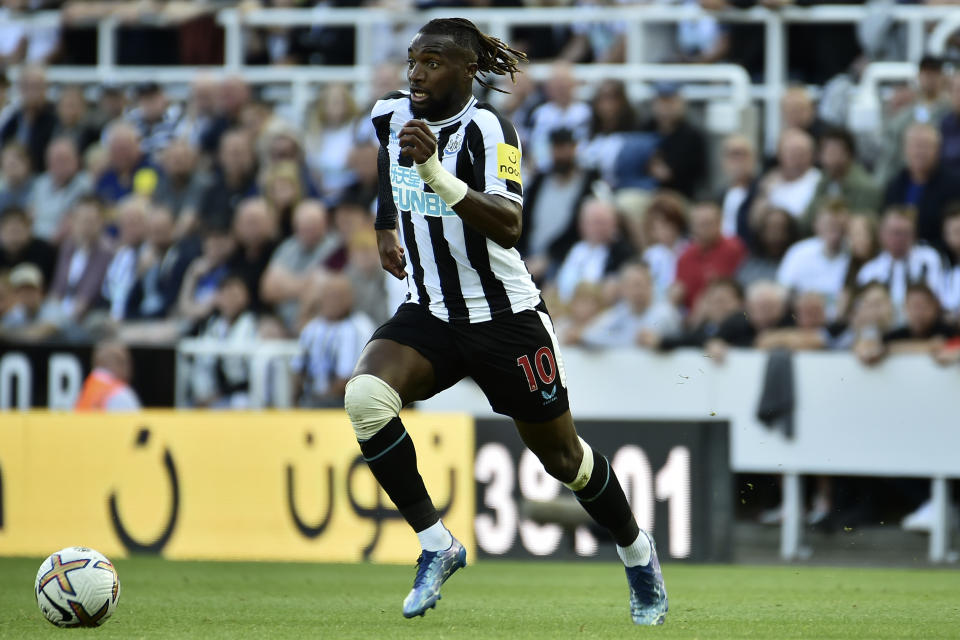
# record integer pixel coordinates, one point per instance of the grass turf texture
(163, 599)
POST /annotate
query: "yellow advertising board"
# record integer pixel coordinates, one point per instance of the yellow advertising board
(285, 486)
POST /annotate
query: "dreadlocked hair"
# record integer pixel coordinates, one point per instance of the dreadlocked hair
(493, 54)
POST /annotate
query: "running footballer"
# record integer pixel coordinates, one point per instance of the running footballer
(449, 214)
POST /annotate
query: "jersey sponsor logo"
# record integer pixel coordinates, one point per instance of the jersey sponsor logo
(408, 194)
(508, 162)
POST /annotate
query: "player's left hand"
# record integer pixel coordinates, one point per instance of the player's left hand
(417, 141)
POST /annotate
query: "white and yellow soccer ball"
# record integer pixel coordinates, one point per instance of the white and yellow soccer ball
(77, 587)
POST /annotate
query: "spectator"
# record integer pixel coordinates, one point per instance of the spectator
(820, 263)
(923, 184)
(107, 388)
(363, 164)
(950, 129)
(370, 283)
(330, 342)
(901, 261)
(161, 267)
(296, 258)
(864, 247)
(29, 319)
(710, 255)
(180, 184)
(598, 254)
(282, 186)
(18, 245)
(775, 235)
(331, 134)
(925, 330)
(155, 119)
(350, 218)
(871, 316)
(234, 179)
(32, 124)
(57, 190)
(280, 142)
(123, 270)
(612, 117)
(200, 112)
(798, 111)
(621, 325)
(766, 308)
(255, 233)
(679, 163)
(585, 305)
(950, 288)
(843, 177)
(791, 186)
(17, 180)
(205, 273)
(72, 120)
(127, 168)
(810, 332)
(929, 107)
(594, 41)
(551, 202)
(666, 220)
(110, 107)
(740, 185)
(722, 298)
(223, 382)
(233, 94)
(561, 110)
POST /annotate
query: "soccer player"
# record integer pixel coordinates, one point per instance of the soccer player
(449, 214)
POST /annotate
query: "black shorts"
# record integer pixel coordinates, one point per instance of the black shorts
(513, 358)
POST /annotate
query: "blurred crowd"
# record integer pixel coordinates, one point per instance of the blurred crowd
(127, 214)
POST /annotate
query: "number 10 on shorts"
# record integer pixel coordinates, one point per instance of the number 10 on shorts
(545, 364)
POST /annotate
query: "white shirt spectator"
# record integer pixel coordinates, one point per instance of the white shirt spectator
(662, 261)
(921, 264)
(330, 350)
(50, 204)
(794, 196)
(234, 370)
(584, 263)
(807, 267)
(119, 280)
(733, 199)
(549, 117)
(619, 325)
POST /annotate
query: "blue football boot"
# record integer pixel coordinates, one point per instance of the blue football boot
(433, 569)
(648, 594)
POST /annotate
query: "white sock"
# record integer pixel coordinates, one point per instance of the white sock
(637, 554)
(435, 537)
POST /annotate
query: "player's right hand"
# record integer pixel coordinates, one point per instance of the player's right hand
(391, 253)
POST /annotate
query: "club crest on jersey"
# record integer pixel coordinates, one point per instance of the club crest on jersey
(453, 144)
(508, 162)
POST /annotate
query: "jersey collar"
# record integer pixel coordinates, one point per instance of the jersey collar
(439, 123)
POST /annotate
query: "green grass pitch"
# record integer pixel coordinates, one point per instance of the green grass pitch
(496, 599)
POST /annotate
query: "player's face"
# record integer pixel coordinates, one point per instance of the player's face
(440, 79)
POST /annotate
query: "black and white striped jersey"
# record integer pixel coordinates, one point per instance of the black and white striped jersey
(457, 273)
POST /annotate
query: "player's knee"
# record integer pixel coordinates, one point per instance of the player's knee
(562, 463)
(371, 403)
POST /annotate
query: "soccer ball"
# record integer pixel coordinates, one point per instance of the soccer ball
(77, 587)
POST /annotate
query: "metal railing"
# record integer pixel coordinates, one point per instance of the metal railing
(915, 19)
(269, 385)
